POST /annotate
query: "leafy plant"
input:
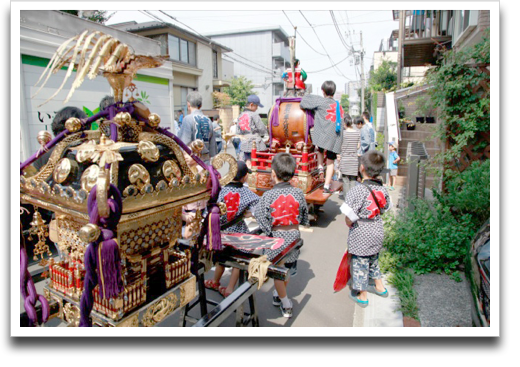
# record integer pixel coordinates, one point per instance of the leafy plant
(98, 16)
(240, 88)
(468, 192)
(430, 238)
(220, 99)
(344, 102)
(462, 113)
(384, 78)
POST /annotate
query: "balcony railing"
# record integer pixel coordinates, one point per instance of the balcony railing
(427, 24)
(424, 31)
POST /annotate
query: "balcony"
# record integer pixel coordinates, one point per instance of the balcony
(424, 31)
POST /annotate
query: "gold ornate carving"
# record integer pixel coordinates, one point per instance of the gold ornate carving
(132, 321)
(170, 143)
(159, 310)
(47, 170)
(148, 151)
(188, 291)
(103, 183)
(218, 162)
(171, 170)
(138, 176)
(72, 314)
(64, 170)
(106, 152)
(89, 177)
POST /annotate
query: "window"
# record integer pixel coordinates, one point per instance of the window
(215, 65)
(182, 50)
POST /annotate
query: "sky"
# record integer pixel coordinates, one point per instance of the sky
(318, 43)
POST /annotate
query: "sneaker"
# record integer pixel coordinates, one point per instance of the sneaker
(277, 301)
(286, 312)
(391, 188)
(327, 191)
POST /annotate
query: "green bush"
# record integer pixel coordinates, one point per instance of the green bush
(468, 192)
(430, 238)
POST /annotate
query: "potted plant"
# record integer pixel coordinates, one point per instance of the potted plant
(410, 125)
(401, 110)
(419, 119)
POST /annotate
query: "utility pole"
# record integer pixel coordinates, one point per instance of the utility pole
(362, 52)
(402, 15)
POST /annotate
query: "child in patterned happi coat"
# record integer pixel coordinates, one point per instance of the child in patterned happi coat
(240, 203)
(327, 133)
(365, 238)
(279, 213)
(250, 128)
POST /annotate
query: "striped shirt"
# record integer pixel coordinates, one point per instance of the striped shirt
(348, 164)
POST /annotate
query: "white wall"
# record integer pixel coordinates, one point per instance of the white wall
(41, 33)
(205, 82)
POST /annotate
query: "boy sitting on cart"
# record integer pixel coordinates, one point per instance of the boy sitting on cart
(279, 213)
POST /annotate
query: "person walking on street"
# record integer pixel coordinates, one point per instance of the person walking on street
(217, 130)
(235, 139)
(364, 204)
(349, 162)
(371, 132)
(327, 133)
(251, 129)
(198, 126)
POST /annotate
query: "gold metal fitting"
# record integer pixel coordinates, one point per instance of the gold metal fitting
(123, 118)
(223, 208)
(154, 119)
(89, 233)
(37, 220)
(73, 124)
(44, 137)
(196, 146)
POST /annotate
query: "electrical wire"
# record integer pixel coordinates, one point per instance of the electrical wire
(251, 67)
(303, 39)
(324, 49)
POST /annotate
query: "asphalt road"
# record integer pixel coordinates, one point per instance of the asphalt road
(314, 301)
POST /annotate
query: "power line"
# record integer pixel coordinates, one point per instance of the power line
(210, 41)
(349, 49)
(251, 67)
(303, 39)
(324, 49)
(330, 67)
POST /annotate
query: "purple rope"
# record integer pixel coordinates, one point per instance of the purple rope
(28, 290)
(110, 274)
(210, 223)
(276, 122)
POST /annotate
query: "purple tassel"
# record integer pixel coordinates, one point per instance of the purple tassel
(213, 240)
(111, 283)
(90, 281)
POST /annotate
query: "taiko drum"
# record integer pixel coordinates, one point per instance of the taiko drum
(292, 127)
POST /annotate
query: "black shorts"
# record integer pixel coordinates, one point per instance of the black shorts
(329, 154)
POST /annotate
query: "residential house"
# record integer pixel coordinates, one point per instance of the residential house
(261, 55)
(196, 61)
(424, 33)
(41, 34)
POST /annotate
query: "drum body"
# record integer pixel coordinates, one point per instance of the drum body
(291, 128)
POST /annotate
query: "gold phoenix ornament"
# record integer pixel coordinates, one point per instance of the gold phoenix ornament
(39, 228)
(93, 53)
(105, 152)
